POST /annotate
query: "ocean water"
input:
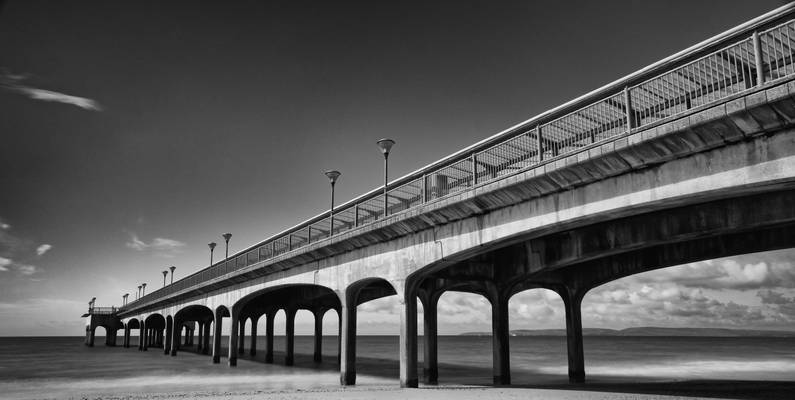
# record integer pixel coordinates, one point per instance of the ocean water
(62, 367)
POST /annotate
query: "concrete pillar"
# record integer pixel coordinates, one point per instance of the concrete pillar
(241, 336)
(408, 339)
(289, 331)
(175, 336)
(206, 345)
(348, 343)
(199, 343)
(126, 342)
(572, 300)
(233, 330)
(339, 337)
(253, 345)
(430, 370)
(145, 337)
(141, 335)
(218, 324)
(91, 333)
(318, 354)
(168, 333)
(269, 336)
(500, 336)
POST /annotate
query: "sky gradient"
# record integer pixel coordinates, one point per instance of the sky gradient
(134, 133)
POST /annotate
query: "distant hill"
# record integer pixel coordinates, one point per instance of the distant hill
(648, 331)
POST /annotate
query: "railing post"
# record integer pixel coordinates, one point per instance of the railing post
(290, 241)
(540, 143)
(356, 214)
(628, 109)
(474, 159)
(273, 248)
(309, 234)
(424, 188)
(760, 73)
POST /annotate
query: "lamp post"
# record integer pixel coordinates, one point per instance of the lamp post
(211, 245)
(164, 277)
(139, 293)
(143, 289)
(124, 299)
(385, 145)
(226, 237)
(332, 178)
(172, 268)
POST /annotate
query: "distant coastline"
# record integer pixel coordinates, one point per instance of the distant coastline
(649, 331)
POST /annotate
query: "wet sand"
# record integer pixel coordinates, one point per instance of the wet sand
(73, 371)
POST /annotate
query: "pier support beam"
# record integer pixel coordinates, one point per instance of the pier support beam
(500, 339)
(169, 333)
(200, 343)
(145, 336)
(206, 344)
(234, 325)
(318, 353)
(269, 336)
(408, 338)
(572, 300)
(218, 323)
(176, 329)
(253, 345)
(430, 371)
(348, 344)
(241, 336)
(289, 358)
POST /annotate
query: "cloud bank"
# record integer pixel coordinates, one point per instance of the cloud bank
(161, 246)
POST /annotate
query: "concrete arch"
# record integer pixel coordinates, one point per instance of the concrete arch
(193, 319)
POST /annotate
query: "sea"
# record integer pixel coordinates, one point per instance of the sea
(62, 367)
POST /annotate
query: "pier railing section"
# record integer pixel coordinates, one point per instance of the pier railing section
(742, 61)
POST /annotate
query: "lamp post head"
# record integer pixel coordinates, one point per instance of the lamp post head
(172, 268)
(385, 145)
(211, 245)
(139, 287)
(333, 175)
(165, 273)
(143, 285)
(227, 236)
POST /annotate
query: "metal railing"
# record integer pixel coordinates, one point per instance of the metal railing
(723, 66)
(102, 310)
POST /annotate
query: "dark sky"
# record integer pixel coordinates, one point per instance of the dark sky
(222, 116)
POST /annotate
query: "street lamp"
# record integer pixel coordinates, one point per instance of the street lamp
(332, 177)
(211, 245)
(226, 237)
(172, 268)
(385, 145)
(124, 299)
(143, 290)
(139, 293)
(164, 277)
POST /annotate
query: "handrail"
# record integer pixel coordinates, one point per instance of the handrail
(729, 63)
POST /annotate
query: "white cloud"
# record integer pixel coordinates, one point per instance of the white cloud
(4, 225)
(4, 262)
(14, 83)
(43, 249)
(25, 269)
(164, 246)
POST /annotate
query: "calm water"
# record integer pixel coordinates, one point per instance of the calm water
(62, 367)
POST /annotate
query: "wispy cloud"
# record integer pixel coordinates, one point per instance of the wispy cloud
(43, 249)
(163, 246)
(4, 225)
(26, 269)
(4, 262)
(15, 83)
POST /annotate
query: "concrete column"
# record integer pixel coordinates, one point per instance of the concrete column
(241, 336)
(269, 336)
(145, 337)
(91, 334)
(500, 336)
(572, 300)
(430, 371)
(289, 357)
(339, 337)
(253, 345)
(169, 334)
(200, 328)
(218, 323)
(233, 330)
(408, 339)
(141, 335)
(206, 345)
(126, 343)
(175, 337)
(348, 344)
(318, 354)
